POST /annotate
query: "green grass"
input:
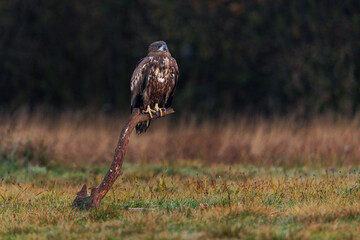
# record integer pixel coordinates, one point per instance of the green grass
(182, 201)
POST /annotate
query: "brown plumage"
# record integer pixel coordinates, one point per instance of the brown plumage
(153, 82)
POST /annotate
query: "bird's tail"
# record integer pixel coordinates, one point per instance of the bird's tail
(141, 127)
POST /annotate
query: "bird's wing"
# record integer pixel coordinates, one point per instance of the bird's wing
(175, 75)
(138, 82)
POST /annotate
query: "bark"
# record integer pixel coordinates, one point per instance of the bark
(83, 200)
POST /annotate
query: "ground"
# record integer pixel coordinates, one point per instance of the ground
(182, 200)
(237, 177)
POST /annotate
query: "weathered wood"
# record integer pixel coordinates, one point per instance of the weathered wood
(82, 200)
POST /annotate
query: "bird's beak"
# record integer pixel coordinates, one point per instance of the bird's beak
(163, 48)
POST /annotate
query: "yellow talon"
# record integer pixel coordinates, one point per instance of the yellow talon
(149, 111)
(159, 109)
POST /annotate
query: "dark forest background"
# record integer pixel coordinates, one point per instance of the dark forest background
(263, 57)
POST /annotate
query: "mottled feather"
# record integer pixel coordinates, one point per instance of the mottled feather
(154, 80)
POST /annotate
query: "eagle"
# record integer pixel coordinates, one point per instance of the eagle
(153, 83)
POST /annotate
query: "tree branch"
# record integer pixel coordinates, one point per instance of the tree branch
(83, 200)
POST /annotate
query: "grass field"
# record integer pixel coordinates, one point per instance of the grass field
(183, 201)
(262, 179)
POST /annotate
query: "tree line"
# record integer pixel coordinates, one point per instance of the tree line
(265, 57)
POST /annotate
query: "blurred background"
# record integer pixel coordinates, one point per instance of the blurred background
(278, 68)
(263, 57)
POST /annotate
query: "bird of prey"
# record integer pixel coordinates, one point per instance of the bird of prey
(153, 82)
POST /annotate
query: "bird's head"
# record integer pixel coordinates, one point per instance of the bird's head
(158, 47)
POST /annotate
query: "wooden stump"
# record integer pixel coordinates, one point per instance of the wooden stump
(83, 200)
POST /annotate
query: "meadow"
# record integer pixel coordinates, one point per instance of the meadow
(248, 178)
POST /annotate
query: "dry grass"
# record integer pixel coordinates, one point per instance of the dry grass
(184, 201)
(76, 137)
(244, 178)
